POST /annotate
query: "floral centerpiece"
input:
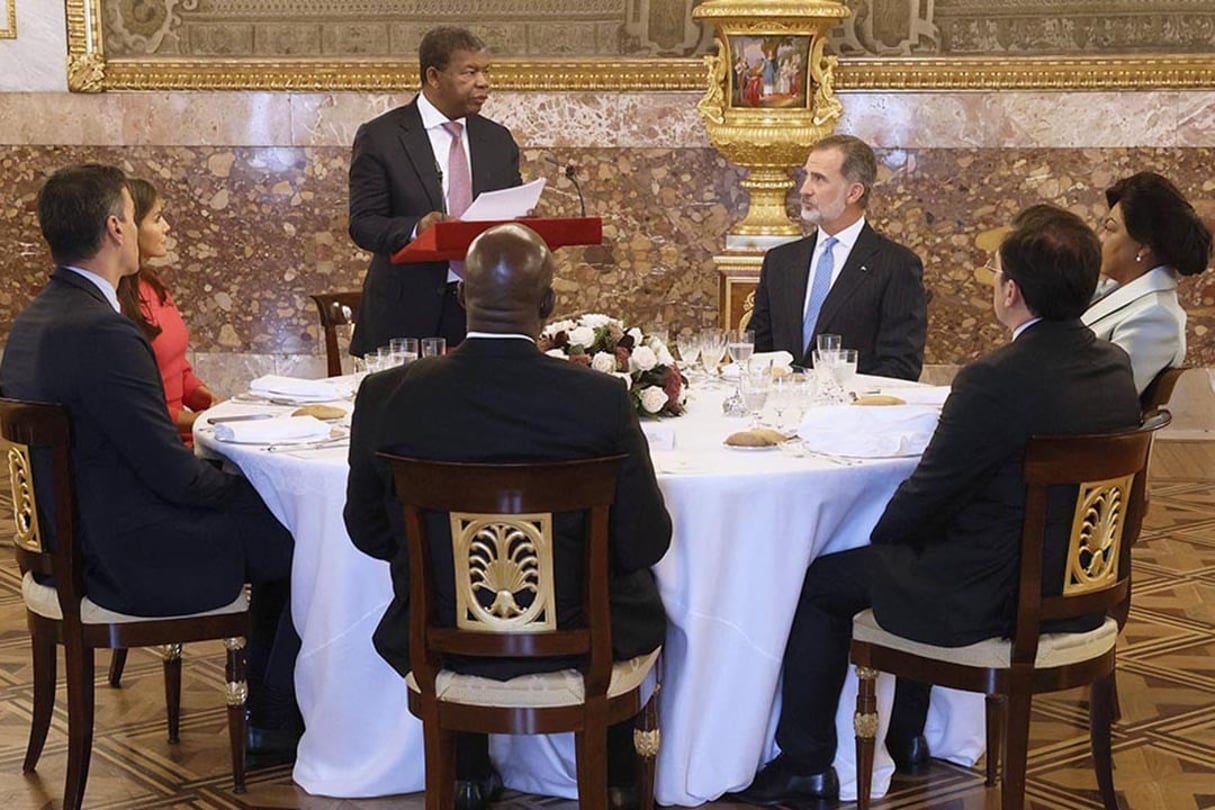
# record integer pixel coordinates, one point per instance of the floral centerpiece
(643, 363)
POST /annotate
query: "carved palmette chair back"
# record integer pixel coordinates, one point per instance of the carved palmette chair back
(1108, 474)
(36, 441)
(502, 519)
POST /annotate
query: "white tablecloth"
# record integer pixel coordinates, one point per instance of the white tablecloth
(746, 526)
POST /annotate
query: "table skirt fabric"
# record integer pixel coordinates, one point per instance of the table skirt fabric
(746, 526)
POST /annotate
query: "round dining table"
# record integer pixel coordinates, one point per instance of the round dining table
(747, 523)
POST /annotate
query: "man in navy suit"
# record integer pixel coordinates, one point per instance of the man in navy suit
(942, 565)
(845, 279)
(404, 169)
(163, 532)
(499, 399)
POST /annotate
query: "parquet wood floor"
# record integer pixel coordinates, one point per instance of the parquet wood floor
(1164, 747)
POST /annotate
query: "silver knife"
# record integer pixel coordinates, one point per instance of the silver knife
(249, 417)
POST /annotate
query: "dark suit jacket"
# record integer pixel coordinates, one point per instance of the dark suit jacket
(946, 550)
(501, 401)
(877, 304)
(394, 182)
(150, 512)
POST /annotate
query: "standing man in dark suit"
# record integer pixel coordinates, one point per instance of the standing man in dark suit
(163, 532)
(846, 279)
(415, 166)
(942, 567)
(497, 398)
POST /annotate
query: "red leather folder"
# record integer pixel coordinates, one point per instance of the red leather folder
(450, 240)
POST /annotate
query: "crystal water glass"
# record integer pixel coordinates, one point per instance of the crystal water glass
(741, 345)
(404, 348)
(843, 369)
(434, 346)
(754, 386)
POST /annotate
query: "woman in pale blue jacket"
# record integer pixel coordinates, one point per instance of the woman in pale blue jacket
(1150, 235)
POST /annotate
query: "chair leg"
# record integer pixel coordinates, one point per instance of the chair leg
(42, 643)
(590, 746)
(171, 654)
(79, 661)
(118, 662)
(865, 725)
(1016, 747)
(236, 693)
(995, 736)
(1100, 715)
(1115, 704)
(647, 739)
(440, 751)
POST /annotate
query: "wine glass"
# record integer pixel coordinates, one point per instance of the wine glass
(712, 348)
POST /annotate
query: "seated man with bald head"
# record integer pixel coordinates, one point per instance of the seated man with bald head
(498, 399)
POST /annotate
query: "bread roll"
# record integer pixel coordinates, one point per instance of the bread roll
(773, 436)
(320, 411)
(748, 438)
(878, 399)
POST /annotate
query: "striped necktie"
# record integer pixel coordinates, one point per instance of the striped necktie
(818, 293)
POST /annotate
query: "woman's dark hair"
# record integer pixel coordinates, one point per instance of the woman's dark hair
(1157, 215)
(145, 196)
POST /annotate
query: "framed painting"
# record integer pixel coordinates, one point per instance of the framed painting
(630, 44)
(8, 19)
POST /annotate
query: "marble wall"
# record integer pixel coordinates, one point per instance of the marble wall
(256, 192)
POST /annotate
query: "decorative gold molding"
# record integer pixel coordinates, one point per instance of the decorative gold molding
(90, 71)
(9, 9)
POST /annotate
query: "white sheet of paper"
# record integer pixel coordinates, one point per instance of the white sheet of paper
(507, 203)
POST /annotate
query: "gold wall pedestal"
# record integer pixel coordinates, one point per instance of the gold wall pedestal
(770, 98)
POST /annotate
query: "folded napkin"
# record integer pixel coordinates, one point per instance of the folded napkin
(272, 384)
(269, 431)
(934, 395)
(780, 359)
(848, 430)
(659, 436)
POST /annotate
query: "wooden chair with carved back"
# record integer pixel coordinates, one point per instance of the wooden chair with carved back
(37, 440)
(336, 309)
(501, 518)
(1109, 471)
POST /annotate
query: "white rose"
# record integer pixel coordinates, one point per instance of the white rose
(665, 358)
(653, 399)
(560, 355)
(627, 379)
(636, 335)
(643, 359)
(558, 326)
(582, 336)
(594, 320)
(604, 361)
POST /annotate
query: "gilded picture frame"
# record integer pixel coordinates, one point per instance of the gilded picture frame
(90, 69)
(8, 19)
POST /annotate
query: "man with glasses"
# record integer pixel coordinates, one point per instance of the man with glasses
(942, 565)
(417, 165)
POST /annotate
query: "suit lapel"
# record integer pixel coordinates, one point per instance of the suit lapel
(1154, 281)
(477, 147)
(795, 288)
(855, 271)
(416, 144)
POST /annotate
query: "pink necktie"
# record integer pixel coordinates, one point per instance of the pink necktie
(459, 178)
(459, 181)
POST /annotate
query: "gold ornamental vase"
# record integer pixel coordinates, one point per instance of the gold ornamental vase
(771, 96)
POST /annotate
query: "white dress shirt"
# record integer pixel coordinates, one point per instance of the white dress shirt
(440, 144)
(107, 289)
(846, 240)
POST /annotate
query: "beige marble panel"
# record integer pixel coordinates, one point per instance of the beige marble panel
(37, 59)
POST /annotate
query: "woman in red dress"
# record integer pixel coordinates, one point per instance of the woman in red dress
(147, 301)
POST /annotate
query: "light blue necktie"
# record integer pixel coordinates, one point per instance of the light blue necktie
(818, 293)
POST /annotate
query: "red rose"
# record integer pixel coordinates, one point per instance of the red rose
(581, 359)
(673, 385)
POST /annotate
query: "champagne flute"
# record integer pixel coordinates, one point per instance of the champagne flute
(712, 347)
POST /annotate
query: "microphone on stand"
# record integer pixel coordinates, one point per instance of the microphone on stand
(569, 171)
(573, 176)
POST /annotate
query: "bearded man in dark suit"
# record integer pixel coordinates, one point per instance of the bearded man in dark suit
(163, 533)
(409, 169)
(497, 398)
(942, 565)
(846, 279)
